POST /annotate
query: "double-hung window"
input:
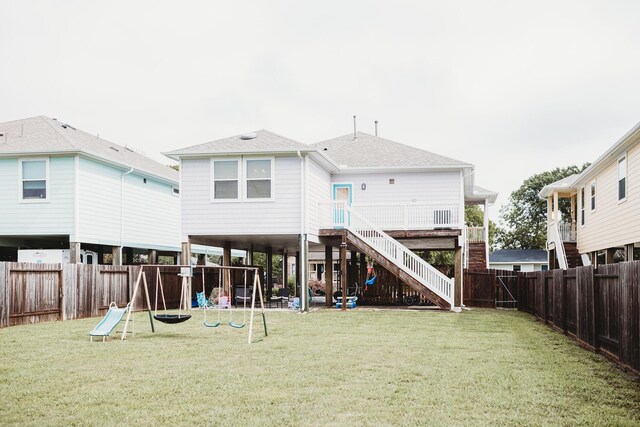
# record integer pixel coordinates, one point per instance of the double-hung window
(622, 178)
(34, 179)
(226, 175)
(259, 178)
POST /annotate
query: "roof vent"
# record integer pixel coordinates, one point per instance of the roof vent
(115, 149)
(248, 136)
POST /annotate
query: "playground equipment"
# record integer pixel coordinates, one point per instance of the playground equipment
(110, 321)
(185, 273)
(184, 289)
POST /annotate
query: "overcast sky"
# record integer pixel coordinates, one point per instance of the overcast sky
(514, 87)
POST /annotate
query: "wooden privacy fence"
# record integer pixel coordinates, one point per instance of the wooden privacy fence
(32, 293)
(599, 307)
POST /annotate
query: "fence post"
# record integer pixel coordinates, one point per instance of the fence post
(585, 295)
(629, 305)
(4, 294)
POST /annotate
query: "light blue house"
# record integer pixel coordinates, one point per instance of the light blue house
(62, 188)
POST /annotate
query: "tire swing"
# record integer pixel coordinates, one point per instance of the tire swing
(205, 322)
(244, 304)
(170, 318)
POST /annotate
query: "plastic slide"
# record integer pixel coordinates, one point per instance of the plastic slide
(110, 321)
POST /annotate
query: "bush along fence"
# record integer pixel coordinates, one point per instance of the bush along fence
(599, 307)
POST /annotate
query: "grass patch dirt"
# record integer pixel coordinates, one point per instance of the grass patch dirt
(362, 367)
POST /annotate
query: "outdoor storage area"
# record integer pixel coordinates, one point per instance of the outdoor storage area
(361, 367)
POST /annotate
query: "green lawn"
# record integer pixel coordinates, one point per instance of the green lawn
(363, 367)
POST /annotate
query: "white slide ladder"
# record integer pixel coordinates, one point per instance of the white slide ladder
(401, 256)
(559, 246)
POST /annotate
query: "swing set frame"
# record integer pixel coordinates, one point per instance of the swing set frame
(186, 292)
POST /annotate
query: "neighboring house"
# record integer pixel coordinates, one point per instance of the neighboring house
(604, 224)
(262, 191)
(519, 260)
(62, 188)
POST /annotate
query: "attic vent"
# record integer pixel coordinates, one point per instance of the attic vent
(247, 136)
(64, 126)
(128, 149)
(115, 149)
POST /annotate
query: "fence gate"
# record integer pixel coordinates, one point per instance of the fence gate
(35, 295)
(506, 286)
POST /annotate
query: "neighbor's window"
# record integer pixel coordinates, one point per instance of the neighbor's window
(622, 178)
(582, 202)
(593, 196)
(34, 179)
(225, 179)
(258, 178)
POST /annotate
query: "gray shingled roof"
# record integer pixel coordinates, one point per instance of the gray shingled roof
(514, 256)
(372, 151)
(43, 135)
(264, 142)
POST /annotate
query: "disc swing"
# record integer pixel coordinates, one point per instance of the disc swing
(205, 322)
(244, 304)
(171, 318)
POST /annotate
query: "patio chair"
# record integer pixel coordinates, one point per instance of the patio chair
(241, 297)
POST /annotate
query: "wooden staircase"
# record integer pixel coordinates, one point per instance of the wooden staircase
(477, 256)
(573, 257)
(399, 260)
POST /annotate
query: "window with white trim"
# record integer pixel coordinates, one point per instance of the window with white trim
(226, 179)
(593, 196)
(258, 177)
(622, 178)
(34, 179)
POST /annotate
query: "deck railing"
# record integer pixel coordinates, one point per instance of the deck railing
(394, 216)
(475, 234)
(567, 232)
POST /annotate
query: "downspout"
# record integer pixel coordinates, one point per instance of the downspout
(122, 210)
(302, 266)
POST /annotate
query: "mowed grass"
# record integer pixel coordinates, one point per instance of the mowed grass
(362, 367)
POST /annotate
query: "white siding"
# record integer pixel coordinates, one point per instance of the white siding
(523, 267)
(319, 191)
(151, 214)
(408, 187)
(612, 224)
(52, 217)
(201, 216)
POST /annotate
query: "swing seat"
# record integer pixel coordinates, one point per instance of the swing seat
(172, 318)
(237, 325)
(211, 325)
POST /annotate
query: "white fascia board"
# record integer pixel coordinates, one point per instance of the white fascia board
(377, 169)
(49, 153)
(199, 155)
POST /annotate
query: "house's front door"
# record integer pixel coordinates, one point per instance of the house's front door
(342, 193)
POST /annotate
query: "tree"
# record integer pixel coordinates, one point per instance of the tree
(525, 217)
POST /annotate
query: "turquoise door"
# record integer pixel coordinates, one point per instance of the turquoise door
(342, 193)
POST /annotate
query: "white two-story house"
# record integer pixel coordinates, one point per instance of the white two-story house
(62, 188)
(604, 223)
(362, 193)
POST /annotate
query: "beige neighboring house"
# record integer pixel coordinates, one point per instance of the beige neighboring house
(604, 225)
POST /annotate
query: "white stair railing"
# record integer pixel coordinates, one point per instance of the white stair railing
(400, 255)
(559, 246)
